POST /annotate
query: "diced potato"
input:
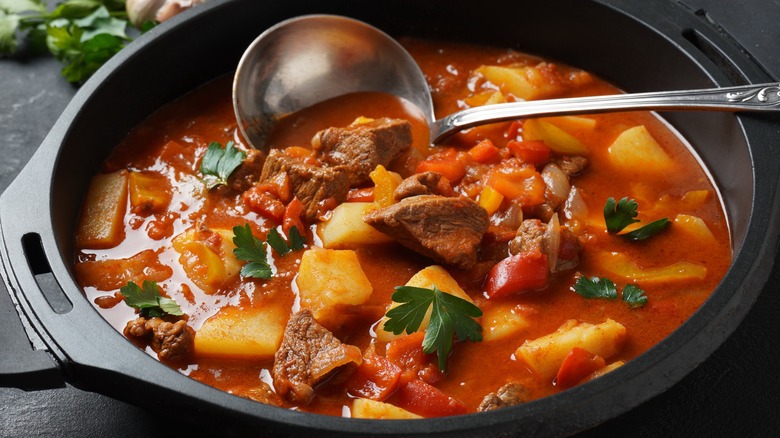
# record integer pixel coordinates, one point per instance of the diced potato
(345, 227)
(500, 322)
(598, 373)
(207, 257)
(486, 98)
(149, 192)
(572, 123)
(636, 150)
(621, 265)
(242, 333)
(694, 199)
(366, 408)
(524, 82)
(545, 355)
(328, 279)
(554, 137)
(426, 278)
(102, 222)
(385, 183)
(695, 226)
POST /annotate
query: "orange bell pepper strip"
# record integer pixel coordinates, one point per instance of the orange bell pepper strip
(485, 152)
(292, 217)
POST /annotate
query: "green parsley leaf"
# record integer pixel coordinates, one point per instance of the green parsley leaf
(634, 296)
(148, 300)
(451, 316)
(8, 25)
(218, 163)
(277, 242)
(595, 287)
(621, 214)
(18, 6)
(250, 248)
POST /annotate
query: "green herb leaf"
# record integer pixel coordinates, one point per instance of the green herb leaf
(648, 230)
(8, 25)
(18, 6)
(297, 241)
(450, 316)
(148, 300)
(621, 214)
(250, 248)
(595, 287)
(277, 242)
(634, 296)
(218, 163)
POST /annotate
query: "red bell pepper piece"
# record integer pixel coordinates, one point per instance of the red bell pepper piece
(577, 365)
(376, 378)
(519, 273)
(529, 151)
(292, 217)
(426, 400)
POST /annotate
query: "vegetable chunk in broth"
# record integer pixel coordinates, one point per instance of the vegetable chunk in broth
(357, 270)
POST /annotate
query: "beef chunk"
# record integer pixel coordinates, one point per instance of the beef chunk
(312, 185)
(171, 341)
(248, 173)
(426, 183)
(448, 230)
(572, 165)
(529, 236)
(511, 394)
(308, 354)
(360, 147)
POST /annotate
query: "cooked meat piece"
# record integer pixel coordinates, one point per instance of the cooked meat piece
(572, 165)
(426, 183)
(448, 230)
(568, 251)
(312, 185)
(511, 394)
(171, 341)
(248, 173)
(308, 354)
(359, 148)
(529, 236)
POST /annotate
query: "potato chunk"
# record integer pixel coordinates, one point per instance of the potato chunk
(345, 227)
(526, 82)
(636, 150)
(694, 226)
(241, 333)
(553, 136)
(102, 222)
(328, 279)
(366, 408)
(149, 192)
(503, 321)
(426, 278)
(545, 355)
(207, 257)
(621, 265)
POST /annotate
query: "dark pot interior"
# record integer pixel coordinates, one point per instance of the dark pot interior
(627, 43)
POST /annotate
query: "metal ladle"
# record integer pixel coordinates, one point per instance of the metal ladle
(308, 59)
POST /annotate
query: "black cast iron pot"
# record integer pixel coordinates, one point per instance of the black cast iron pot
(638, 45)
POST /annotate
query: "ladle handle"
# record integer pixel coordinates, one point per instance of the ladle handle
(758, 97)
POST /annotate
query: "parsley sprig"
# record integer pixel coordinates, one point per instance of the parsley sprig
(618, 215)
(219, 163)
(250, 248)
(604, 288)
(451, 316)
(82, 34)
(148, 300)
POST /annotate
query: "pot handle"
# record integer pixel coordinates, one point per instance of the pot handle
(21, 364)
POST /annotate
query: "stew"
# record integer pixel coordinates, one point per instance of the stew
(356, 270)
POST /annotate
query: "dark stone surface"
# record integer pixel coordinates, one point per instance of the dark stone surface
(736, 392)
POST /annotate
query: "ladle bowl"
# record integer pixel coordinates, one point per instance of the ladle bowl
(308, 59)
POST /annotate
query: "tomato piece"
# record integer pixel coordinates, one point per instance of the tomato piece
(292, 217)
(451, 168)
(519, 273)
(428, 401)
(513, 130)
(407, 352)
(365, 194)
(376, 378)
(530, 151)
(577, 365)
(263, 203)
(485, 152)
